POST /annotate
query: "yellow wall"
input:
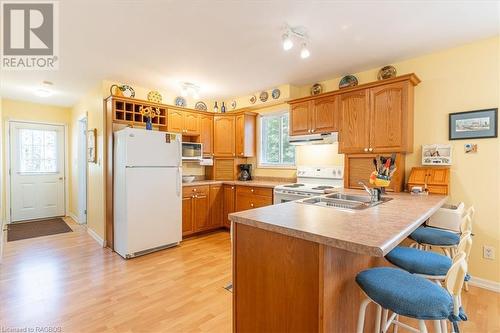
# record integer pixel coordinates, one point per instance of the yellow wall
(91, 104)
(21, 110)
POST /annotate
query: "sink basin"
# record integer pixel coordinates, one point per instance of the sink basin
(344, 201)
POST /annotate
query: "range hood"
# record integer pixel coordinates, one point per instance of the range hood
(314, 139)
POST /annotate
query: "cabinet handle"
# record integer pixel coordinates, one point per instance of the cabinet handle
(366, 149)
(312, 131)
(232, 187)
(371, 149)
(251, 190)
(194, 190)
(251, 205)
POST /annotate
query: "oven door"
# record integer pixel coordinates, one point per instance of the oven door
(281, 197)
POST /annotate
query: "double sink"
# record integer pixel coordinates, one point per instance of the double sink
(344, 201)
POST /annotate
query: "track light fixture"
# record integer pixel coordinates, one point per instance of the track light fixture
(299, 33)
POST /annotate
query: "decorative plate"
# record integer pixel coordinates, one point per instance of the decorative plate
(200, 106)
(127, 91)
(386, 72)
(253, 99)
(233, 104)
(115, 90)
(263, 96)
(348, 81)
(180, 101)
(154, 96)
(316, 89)
(276, 93)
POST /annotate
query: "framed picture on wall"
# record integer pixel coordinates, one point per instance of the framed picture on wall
(91, 145)
(474, 124)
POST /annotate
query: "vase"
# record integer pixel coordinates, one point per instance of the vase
(149, 124)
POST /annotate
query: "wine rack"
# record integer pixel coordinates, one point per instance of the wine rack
(129, 111)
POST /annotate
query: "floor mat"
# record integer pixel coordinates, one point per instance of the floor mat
(32, 229)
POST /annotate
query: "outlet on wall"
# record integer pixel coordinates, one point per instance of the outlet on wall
(488, 252)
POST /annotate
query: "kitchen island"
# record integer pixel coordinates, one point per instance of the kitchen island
(294, 264)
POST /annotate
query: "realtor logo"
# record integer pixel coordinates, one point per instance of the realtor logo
(29, 35)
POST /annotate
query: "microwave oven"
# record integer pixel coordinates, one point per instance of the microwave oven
(192, 151)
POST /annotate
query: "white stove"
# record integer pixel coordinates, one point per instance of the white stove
(311, 181)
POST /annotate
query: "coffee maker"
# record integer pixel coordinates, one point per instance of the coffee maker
(245, 172)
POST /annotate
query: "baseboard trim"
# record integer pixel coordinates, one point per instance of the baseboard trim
(96, 237)
(73, 216)
(485, 284)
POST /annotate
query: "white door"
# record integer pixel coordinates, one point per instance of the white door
(36, 171)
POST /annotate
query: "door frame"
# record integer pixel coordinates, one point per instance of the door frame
(82, 148)
(8, 139)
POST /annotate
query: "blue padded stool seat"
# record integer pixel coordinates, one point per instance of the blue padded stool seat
(406, 294)
(419, 262)
(435, 236)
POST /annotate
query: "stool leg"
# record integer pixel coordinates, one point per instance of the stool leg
(385, 313)
(378, 318)
(396, 326)
(361, 315)
(422, 327)
(437, 326)
(444, 327)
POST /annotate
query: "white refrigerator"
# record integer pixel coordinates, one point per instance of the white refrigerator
(147, 201)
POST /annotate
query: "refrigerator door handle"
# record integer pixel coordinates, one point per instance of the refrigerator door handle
(178, 182)
(179, 152)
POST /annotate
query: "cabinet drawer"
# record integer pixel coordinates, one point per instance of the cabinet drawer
(189, 190)
(264, 191)
(438, 189)
(246, 201)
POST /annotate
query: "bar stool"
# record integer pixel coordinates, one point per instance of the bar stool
(409, 295)
(427, 237)
(427, 264)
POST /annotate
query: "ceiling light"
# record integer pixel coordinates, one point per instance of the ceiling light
(188, 88)
(42, 92)
(304, 52)
(184, 92)
(287, 42)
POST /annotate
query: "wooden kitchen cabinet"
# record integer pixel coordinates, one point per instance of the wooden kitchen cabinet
(355, 128)
(216, 206)
(248, 197)
(437, 179)
(300, 118)
(183, 122)
(224, 136)
(229, 196)
(195, 209)
(225, 168)
(358, 167)
(206, 134)
(245, 135)
(315, 117)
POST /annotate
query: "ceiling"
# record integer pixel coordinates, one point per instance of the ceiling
(233, 48)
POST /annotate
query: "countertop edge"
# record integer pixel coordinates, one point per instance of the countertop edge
(375, 251)
(256, 183)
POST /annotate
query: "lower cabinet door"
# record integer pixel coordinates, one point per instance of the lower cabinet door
(187, 215)
(201, 212)
(229, 201)
(216, 206)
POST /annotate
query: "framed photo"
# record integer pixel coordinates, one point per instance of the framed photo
(474, 124)
(91, 145)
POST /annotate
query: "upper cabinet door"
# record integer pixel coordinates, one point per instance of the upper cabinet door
(175, 121)
(355, 129)
(191, 123)
(388, 117)
(300, 118)
(224, 136)
(245, 135)
(206, 134)
(326, 115)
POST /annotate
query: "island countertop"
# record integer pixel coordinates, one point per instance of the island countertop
(374, 231)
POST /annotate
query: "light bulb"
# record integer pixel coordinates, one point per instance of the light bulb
(304, 53)
(287, 42)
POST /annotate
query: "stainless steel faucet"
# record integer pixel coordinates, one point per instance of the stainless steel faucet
(373, 192)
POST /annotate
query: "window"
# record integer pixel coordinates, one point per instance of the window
(38, 151)
(275, 150)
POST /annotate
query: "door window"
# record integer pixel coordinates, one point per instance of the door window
(38, 151)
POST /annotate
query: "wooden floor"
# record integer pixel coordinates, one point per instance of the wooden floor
(68, 281)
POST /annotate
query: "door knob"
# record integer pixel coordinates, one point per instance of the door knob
(251, 205)
(366, 149)
(312, 131)
(371, 149)
(251, 190)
